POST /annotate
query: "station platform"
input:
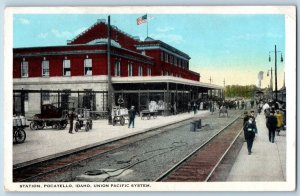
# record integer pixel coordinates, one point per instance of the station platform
(49, 143)
(267, 161)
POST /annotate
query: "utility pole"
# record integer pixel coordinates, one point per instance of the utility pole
(275, 68)
(109, 83)
(275, 74)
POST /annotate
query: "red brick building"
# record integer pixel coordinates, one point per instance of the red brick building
(138, 67)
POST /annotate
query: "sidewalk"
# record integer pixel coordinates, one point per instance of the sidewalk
(267, 161)
(49, 143)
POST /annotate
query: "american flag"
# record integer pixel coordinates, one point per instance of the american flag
(141, 20)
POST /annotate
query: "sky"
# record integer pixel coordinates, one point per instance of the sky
(234, 48)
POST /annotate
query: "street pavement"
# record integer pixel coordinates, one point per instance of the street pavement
(267, 161)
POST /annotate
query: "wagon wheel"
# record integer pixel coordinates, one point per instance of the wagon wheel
(148, 116)
(122, 120)
(40, 124)
(77, 126)
(20, 136)
(87, 126)
(33, 125)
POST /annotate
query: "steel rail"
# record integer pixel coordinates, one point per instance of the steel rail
(164, 175)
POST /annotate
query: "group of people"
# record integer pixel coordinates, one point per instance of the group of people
(274, 123)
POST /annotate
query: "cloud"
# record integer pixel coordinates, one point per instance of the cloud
(164, 29)
(169, 38)
(24, 21)
(61, 34)
(43, 35)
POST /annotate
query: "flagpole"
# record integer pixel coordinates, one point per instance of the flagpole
(147, 24)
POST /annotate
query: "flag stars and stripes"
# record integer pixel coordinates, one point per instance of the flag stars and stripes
(142, 19)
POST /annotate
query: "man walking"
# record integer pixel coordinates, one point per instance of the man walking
(271, 124)
(250, 130)
(131, 114)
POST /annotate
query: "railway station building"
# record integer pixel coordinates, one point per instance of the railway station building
(77, 73)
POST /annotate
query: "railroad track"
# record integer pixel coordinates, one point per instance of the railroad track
(199, 165)
(48, 169)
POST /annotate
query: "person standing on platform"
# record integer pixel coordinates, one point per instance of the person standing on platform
(195, 108)
(246, 118)
(72, 115)
(272, 125)
(279, 119)
(131, 114)
(250, 130)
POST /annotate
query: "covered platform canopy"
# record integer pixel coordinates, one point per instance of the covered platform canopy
(168, 90)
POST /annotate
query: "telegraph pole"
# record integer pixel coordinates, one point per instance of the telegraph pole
(109, 83)
(275, 73)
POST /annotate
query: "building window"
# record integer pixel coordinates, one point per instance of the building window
(179, 62)
(140, 71)
(175, 60)
(171, 59)
(162, 56)
(148, 71)
(67, 67)
(129, 69)
(45, 68)
(166, 57)
(88, 64)
(117, 68)
(24, 68)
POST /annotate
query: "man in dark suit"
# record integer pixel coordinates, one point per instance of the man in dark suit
(272, 125)
(131, 114)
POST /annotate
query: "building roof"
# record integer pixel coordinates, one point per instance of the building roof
(151, 43)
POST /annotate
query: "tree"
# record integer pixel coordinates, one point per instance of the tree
(240, 91)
